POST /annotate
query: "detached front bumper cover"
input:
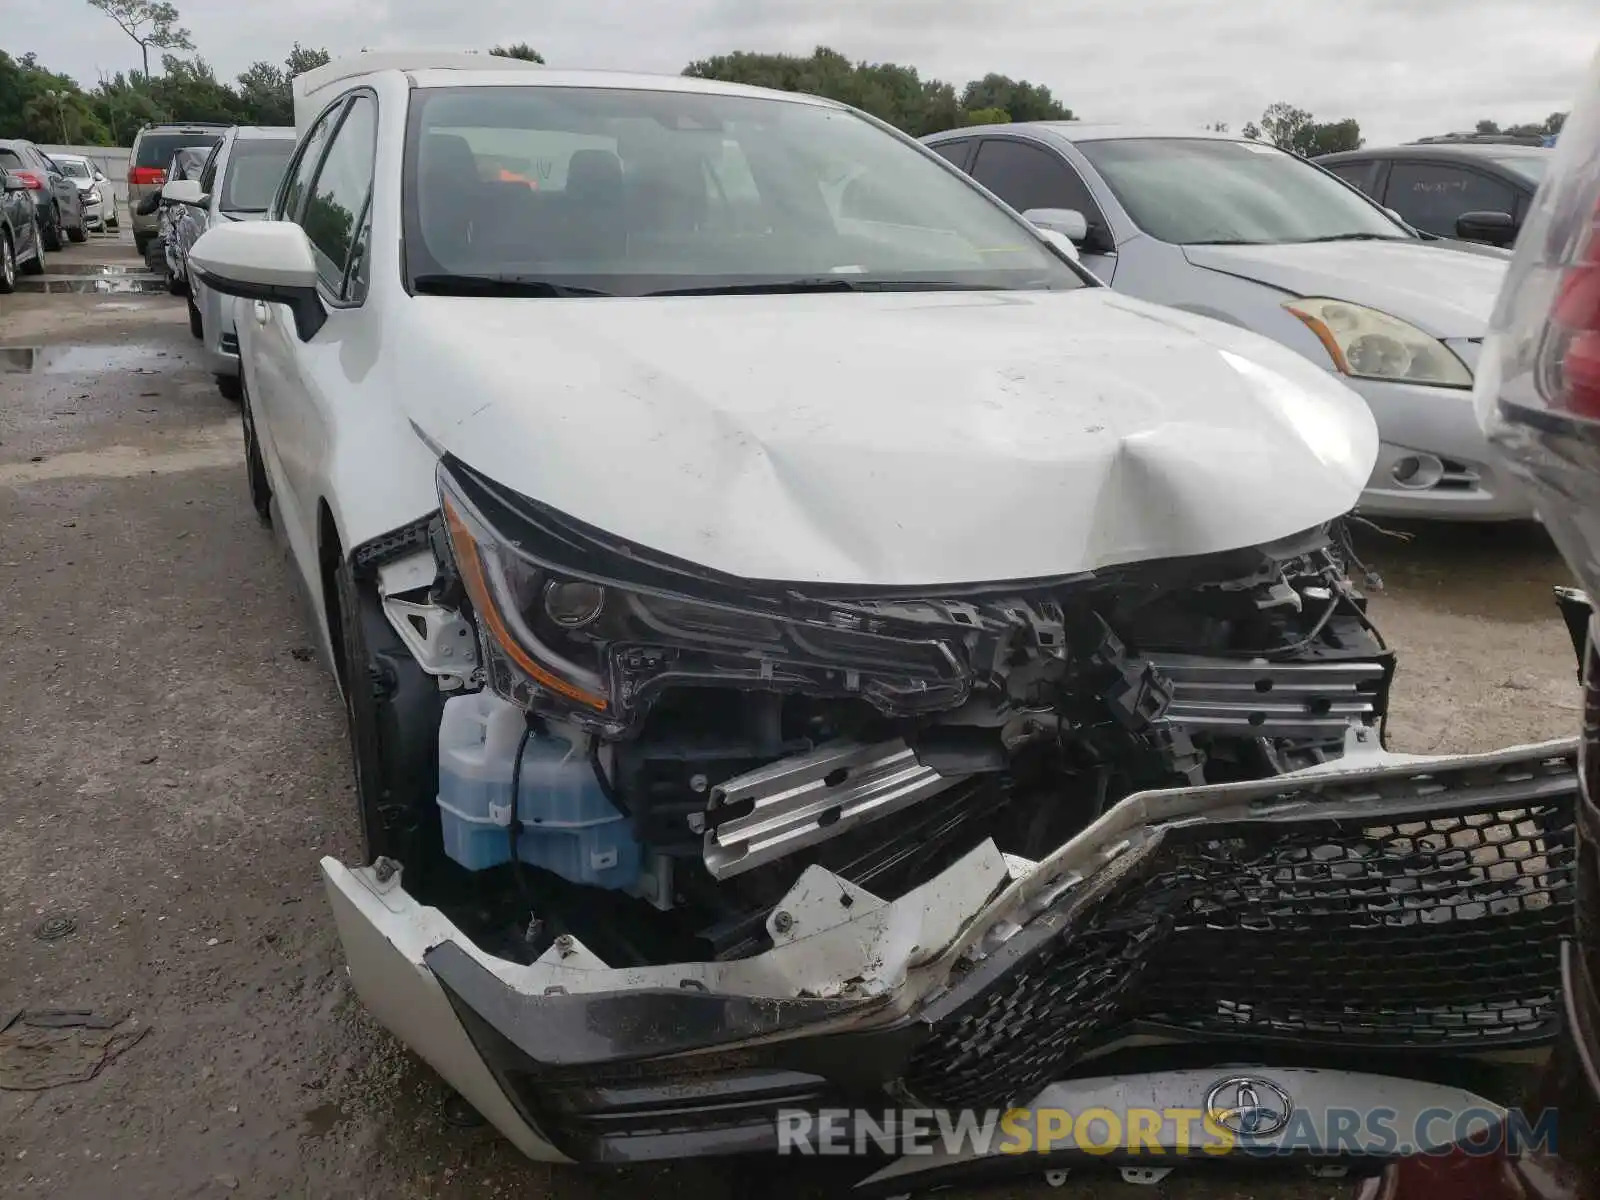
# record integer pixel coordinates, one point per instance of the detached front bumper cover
(1385, 904)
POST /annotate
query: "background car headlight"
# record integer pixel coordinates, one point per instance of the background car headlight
(1367, 344)
(92, 196)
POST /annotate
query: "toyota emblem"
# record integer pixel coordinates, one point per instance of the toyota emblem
(1249, 1106)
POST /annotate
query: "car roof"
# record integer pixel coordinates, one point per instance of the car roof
(11, 143)
(264, 132)
(1083, 131)
(1440, 150)
(435, 77)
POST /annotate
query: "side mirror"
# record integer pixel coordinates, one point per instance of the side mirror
(1496, 228)
(1068, 222)
(183, 191)
(262, 260)
(1061, 242)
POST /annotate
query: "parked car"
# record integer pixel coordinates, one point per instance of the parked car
(186, 163)
(148, 159)
(1538, 396)
(1245, 233)
(21, 240)
(761, 624)
(237, 183)
(55, 197)
(1477, 191)
(99, 204)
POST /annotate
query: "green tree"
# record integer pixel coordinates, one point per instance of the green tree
(895, 93)
(264, 93)
(305, 58)
(518, 50)
(1023, 100)
(189, 89)
(984, 116)
(44, 106)
(1296, 130)
(148, 23)
(1252, 131)
(1488, 127)
(122, 107)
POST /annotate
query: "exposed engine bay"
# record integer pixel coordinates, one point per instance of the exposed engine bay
(645, 755)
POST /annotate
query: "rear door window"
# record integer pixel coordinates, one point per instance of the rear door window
(955, 152)
(1432, 195)
(1363, 174)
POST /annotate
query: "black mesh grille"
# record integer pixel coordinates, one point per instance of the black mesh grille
(1440, 932)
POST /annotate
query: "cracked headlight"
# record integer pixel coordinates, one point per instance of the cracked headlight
(596, 648)
(1367, 344)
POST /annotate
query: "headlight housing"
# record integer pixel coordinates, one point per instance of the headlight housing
(92, 196)
(596, 649)
(1367, 344)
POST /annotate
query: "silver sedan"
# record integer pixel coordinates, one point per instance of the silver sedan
(1245, 233)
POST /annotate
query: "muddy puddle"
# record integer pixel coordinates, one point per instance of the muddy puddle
(78, 360)
(99, 282)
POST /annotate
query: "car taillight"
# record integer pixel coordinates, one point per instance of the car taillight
(1571, 352)
(145, 176)
(31, 178)
(1541, 360)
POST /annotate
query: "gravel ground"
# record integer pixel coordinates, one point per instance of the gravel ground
(174, 765)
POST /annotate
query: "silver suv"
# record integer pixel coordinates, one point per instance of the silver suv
(153, 148)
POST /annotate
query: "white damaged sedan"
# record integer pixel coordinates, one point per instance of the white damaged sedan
(803, 637)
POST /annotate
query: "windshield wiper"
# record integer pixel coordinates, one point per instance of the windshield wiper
(825, 283)
(1356, 237)
(440, 284)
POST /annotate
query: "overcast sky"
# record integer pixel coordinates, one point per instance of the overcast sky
(1403, 68)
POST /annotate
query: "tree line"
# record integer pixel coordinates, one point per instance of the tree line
(47, 106)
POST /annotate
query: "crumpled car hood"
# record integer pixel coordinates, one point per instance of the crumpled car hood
(888, 438)
(1441, 291)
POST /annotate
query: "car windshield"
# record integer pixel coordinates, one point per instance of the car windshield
(1194, 191)
(624, 191)
(255, 168)
(1529, 166)
(76, 170)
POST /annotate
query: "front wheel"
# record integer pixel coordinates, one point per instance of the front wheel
(228, 385)
(35, 265)
(8, 264)
(81, 233)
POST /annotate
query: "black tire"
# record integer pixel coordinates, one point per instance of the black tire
(141, 244)
(229, 386)
(155, 256)
(196, 327)
(255, 468)
(392, 710)
(81, 233)
(52, 231)
(175, 286)
(35, 265)
(8, 263)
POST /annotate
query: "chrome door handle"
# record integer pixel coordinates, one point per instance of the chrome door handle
(261, 312)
